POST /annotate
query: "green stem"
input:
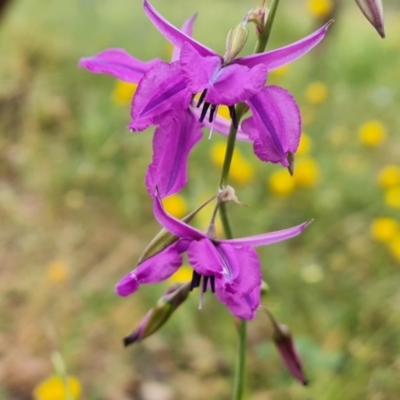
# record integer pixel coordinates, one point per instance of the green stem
(264, 37)
(241, 362)
(230, 147)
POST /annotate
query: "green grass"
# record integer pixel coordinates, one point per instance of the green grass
(71, 189)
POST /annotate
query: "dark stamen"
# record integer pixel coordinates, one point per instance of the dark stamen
(212, 112)
(232, 114)
(201, 99)
(212, 283)
(196, 278)
(205, 282)
(204, 111)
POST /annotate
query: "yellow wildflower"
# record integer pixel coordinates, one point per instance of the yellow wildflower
(176, 205)
(57, 272)
(394, 246)
(316, 92)
(281, 71)
(123, 92)
(54, 388)
(306, 172)
(392, 197)
(372, 133)
(184, 274)
(383, 229)
(389, 176)
(281, 183)
(305, 145)
(223, 111)
(320, 8)
(242, 171)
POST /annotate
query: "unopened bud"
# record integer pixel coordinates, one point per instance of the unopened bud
(237, 38)
(228, 194)
(373, 11)
(264, 289)
(160, 314)
(290, 158)
(285, 345)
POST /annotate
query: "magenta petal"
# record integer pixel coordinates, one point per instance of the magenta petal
(206, 260)
(187, 28)
(174, 225)
(160, 93)
(171, 33)
(155, 269)
(118, 63)
(172, 143)
(243, 307)
(268, 238)
(275, 126)
(284, 55)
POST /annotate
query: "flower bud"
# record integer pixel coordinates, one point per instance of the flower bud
(373, 11)
(237, 38)
(258, 16)
(159, 315)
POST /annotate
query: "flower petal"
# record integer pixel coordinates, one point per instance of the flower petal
(154, 269)
(161, 92)
(227, 85)
(268, 238)
(172, 143)
(118, 63)
(284, 55)
(275, 127)
(171, 33)
(243, 307)
(186, 28)
(174, 225)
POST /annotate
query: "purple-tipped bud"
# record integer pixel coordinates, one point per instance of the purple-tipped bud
(159, 315)
(284, 342)
(237, 38)
(258, 16)
(373, 11)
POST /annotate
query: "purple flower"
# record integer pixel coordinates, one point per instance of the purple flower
(230, 268)
(275, 126)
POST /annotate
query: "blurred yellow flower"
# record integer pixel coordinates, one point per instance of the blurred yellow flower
(281, 71)
(372, 133)
(316, 92)
(383, 229)
(54, 388)
(223, 111)
(392, 197)
(389, 176)
(57, 272)
(394, 247)
(123, 92)
(242, 171)
(305, 145)
(320, 8)
(281, 183)
(184, 274)
(176, 205)
(306, 172)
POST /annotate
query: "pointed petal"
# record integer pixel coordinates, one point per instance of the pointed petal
(373, 11)
(284, 55)
(174, 225)
(186, 28)
(227, 85)
(118, 63)
(243, 307)
(160, 93)
(172, 144)
(275, 127)
(154, 269)
(268, 238)
(171, 33)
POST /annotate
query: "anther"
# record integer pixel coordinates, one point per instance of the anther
(205, 282)
(196, 278)
(212, 112)
(212, 283)
(201, 99)
(204, 111)
(232, 114)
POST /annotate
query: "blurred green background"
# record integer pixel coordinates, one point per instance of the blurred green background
(75, 215)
